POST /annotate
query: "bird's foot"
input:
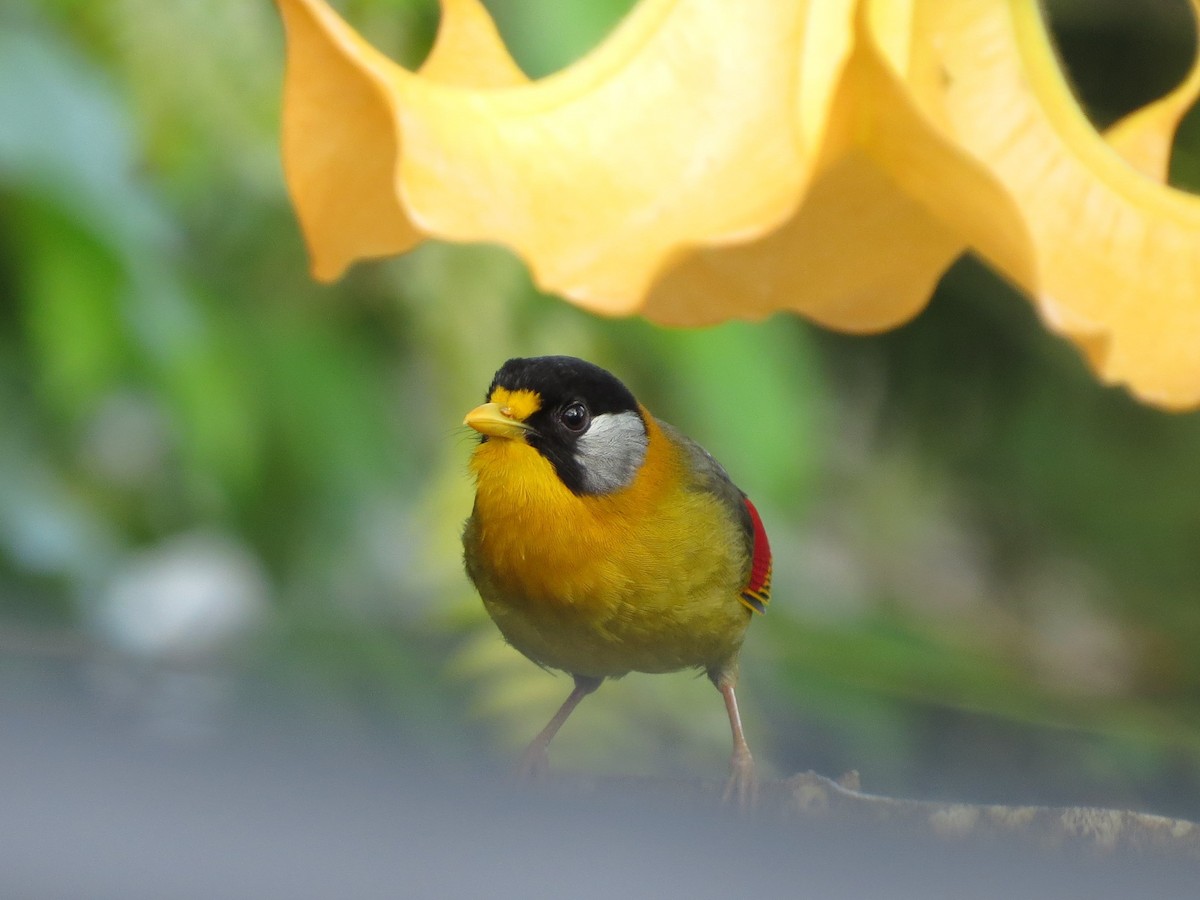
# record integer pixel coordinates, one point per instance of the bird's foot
(534, 764)
(741, 790)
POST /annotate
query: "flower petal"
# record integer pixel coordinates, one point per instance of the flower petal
(858, 255)
(826, 157)
(469, 51)
(664, 146)
(340, 142)
(677, 129)
(1116, 264)
(340, 146)
(686, 126)
(893, 205)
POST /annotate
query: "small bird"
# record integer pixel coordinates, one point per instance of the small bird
(603, 541)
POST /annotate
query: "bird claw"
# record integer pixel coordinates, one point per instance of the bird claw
(534, 764)
(741, 790)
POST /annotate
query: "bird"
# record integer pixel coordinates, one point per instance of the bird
(603, 541)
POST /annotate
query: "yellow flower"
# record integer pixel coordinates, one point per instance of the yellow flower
(830, 157)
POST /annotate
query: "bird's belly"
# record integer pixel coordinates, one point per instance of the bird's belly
(616, 635)
(610, 601)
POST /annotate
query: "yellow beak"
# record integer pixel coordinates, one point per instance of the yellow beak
(495, 420)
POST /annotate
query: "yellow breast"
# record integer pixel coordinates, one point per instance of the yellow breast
(642, 579)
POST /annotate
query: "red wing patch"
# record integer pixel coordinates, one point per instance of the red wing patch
(757, 592)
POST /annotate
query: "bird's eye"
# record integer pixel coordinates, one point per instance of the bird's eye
(575, 417)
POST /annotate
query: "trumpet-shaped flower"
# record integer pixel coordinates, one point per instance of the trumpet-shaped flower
(830, 157)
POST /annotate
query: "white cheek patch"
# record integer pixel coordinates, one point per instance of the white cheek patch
(610, 452)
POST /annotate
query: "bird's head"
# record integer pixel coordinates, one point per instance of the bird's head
(582, 419)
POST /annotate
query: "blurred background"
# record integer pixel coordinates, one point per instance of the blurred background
(229, 494)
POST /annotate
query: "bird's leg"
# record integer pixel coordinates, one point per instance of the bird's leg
(742, 786)
(535, 760)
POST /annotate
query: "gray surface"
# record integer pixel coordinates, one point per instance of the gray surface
(92, 808)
